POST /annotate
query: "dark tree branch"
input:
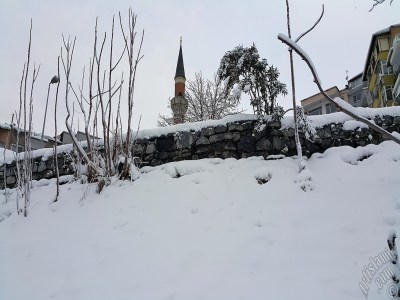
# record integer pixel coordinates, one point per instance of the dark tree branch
(312, 27)
(377, 2)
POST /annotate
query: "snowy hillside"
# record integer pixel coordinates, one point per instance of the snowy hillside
(207, 229)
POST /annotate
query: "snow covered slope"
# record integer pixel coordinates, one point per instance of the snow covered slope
(208, 229)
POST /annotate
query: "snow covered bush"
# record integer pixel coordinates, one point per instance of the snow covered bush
(305, 124)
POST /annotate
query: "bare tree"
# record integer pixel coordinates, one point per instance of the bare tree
(207, 101)
(69, 47)
(98, 108)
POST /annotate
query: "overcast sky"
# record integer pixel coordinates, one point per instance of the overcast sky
(209, 28)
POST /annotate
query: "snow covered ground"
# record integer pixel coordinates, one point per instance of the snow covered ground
(208, 230)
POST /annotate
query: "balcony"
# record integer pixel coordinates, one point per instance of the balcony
(396, 88)
(394, 54)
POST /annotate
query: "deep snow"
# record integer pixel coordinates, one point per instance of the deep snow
(207, 229)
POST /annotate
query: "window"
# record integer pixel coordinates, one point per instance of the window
(373, 63)
(329, 108)
(383, 69)
(388, 93)
(356, 98)
(384, 44)
(315, 111)
(355, 83)
(2, 145)
(14, 148)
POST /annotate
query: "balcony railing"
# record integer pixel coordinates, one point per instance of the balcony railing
(396, 88)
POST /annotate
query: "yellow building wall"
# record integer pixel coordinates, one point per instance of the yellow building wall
(372, 82)
(389, 79)
(383, 55)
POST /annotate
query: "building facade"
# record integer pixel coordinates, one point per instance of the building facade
(318, 105)
(357, 92)
(394, 63)
(65, 138)
(378, 75)
(9, 141)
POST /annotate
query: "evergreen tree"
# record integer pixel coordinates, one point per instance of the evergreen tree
(243, 71)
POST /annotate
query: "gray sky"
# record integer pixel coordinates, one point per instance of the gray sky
(209, 29)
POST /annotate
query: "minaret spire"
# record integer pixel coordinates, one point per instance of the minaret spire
(179, 103)
(180, 68)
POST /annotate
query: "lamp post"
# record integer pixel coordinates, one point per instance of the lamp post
(53, 80)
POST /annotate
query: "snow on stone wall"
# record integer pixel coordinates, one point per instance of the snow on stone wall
(232, 137)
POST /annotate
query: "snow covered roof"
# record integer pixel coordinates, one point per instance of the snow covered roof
(5, 126)
(328, 91)
(356, 77)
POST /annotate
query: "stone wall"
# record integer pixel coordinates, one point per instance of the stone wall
(41, 169)
(237, 139)
(241, 139)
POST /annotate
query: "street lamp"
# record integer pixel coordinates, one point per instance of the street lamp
(53, 80)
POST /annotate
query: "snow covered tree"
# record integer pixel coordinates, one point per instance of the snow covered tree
(243, 71)
(206, 99)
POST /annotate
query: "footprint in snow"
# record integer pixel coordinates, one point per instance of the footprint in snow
(196, 181)
(258, 224)
(120, 225)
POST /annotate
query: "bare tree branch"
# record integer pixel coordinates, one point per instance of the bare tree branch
(377, 2)
(284, 39)
(312, 27)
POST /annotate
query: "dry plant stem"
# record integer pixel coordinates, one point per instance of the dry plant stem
(17, 160)
(100, 91)
(129, 45)
(45, 113)
(69, 47)
(55, 132)
(371, 125)
(296, 127)
(28, 148)
(23, 181)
